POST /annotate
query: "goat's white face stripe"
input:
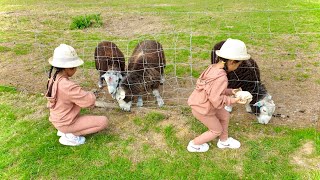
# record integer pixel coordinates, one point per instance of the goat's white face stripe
(112, 79)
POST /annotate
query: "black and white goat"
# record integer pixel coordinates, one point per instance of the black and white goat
(247, 76)
(110, 61)
(145, 74)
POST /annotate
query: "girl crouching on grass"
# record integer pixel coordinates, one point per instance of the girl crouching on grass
(210, 96)
(66, 98)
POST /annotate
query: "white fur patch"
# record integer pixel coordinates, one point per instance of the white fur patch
(112, 79)
(120, 94)
(140, 101)
(264, 119)
(158, 97)
(248, 107)
(125, 106)
(267, 108)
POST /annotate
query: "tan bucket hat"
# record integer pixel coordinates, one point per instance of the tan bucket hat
(233, 49)
(64, 56)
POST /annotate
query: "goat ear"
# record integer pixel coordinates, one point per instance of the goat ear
(103, 76)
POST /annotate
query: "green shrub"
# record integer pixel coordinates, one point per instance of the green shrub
(82, 22)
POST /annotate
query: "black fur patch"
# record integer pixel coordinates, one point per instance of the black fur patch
(146, 65)
(108, 56)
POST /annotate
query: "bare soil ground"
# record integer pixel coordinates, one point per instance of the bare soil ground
(304, 158)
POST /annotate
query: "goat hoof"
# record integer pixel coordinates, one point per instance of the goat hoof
(125, 109)
(139, 104)
(160, 103)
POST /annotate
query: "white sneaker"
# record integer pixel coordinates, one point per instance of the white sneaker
(229, 143)
(197, 148)
(59, 133)
(69, 139)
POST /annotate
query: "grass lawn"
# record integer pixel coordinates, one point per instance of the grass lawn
(151, 143)
(30, 148)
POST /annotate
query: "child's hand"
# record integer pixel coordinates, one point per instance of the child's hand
(234, 91)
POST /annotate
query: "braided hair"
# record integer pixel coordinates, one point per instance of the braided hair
(225, 67)
(49, 87)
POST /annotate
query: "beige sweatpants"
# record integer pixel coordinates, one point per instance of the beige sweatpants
(217, 125)
(85, 125)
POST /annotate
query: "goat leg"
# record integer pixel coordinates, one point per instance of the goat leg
(140, 101)
(158, 97)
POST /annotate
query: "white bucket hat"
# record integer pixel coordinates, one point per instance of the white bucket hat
(233, 49)
(64, 56)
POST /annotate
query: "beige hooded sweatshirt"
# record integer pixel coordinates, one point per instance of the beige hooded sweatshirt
(211, 92)
(67, 99)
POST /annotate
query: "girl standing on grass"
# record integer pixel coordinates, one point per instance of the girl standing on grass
(66, 98)
(210, 96)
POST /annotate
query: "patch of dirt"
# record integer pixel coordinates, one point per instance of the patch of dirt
(127, 25)
(305, 159)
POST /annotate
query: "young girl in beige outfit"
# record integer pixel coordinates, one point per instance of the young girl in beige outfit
(66, 98)
(210, 96)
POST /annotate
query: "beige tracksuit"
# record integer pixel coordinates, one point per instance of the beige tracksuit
(207, 102)
(67, 99)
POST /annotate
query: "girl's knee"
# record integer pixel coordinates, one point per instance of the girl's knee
(216, 132)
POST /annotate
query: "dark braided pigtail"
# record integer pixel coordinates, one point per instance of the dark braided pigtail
(54, 79)
(49, 76)
(225, 67)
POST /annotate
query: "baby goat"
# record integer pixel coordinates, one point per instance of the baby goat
(110, 61)
(145, 73)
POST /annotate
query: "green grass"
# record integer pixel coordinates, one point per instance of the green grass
(22, 49)
(8, 89)
(302, 76)
(30, 149)
(149, 121)
(4, 49)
